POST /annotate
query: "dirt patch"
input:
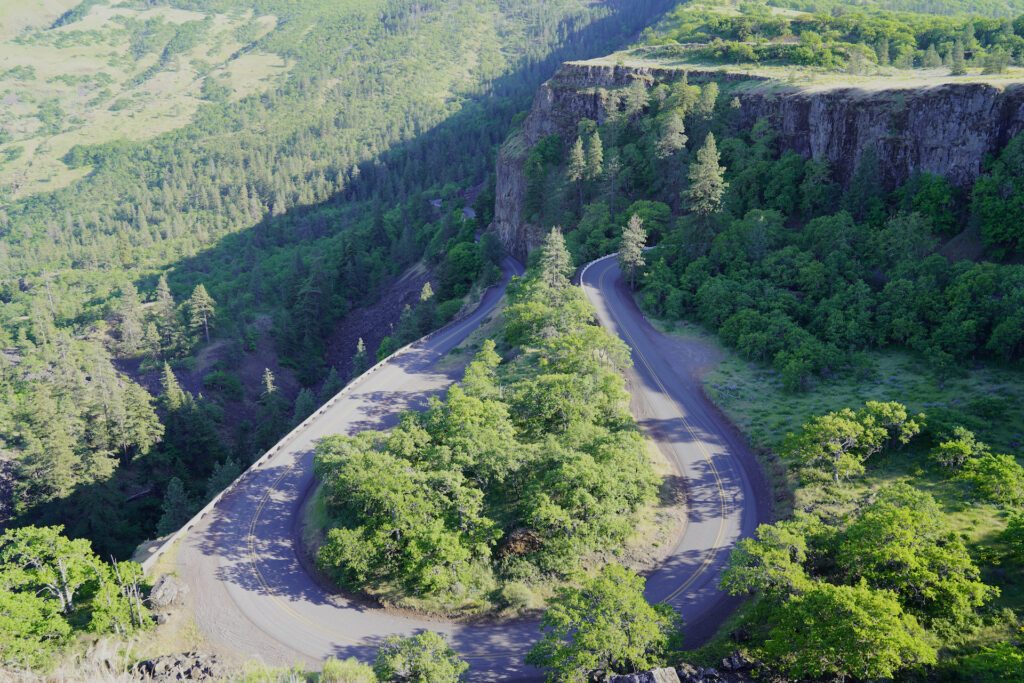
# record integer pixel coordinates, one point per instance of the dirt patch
(373, 323)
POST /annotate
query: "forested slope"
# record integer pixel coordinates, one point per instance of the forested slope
(288, 207)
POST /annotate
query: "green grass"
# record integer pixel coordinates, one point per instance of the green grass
(754, 399)
(103, 93)
(990, 398)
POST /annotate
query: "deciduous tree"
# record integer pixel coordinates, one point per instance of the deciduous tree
(846, 631)
(604, 624)
(423, 658)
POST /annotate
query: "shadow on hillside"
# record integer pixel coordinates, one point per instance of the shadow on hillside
(244, 253)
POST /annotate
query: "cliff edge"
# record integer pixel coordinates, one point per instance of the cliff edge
(944, 128)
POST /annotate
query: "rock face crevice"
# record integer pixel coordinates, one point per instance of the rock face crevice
(946, 129)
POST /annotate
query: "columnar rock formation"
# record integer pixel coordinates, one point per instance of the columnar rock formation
(945, 129)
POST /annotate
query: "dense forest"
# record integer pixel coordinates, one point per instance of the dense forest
(765, 248)
(280, 210)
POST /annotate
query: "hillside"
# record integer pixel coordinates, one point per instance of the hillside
(214, 215)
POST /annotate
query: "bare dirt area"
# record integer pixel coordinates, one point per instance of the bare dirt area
(373, 323)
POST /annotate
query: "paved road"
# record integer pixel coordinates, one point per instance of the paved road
(253, 597)
(726, 493)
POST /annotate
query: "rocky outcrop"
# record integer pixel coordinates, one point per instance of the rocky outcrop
(188, 666)
(736, 668)
(945, 129)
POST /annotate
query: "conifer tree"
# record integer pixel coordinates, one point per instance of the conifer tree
(635, 99)
(164, 299)
(959, 65)
(706, 180)
(673, 136)
(269, 387)
(305, 404)
(173, 396)
(595, 157)
(932, 60)
(612, 170)
(176, 508)
(223, 474)
(152, 341)
(201, 309)
(130, 313)
(631, 249)
(359, 362)
(882, 51)
(166, 312)
(708, 99)
(555, 261)
(332, 385)
(577, 167)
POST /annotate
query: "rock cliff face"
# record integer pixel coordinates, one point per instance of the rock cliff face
(944, 129)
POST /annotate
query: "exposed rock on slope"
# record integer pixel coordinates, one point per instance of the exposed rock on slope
(944, 129)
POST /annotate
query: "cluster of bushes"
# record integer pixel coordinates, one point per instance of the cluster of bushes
(872, 583)
(525, 468)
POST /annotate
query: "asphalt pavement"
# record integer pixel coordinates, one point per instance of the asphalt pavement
(252, 596)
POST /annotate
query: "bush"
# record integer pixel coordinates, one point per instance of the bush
(448, 310)
(225, 382)
(518, 596)
(997, 479)
(425, 657)
(346, 671)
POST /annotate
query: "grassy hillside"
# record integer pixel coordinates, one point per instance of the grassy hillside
(117, 72)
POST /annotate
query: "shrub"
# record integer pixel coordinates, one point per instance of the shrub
(346, 671)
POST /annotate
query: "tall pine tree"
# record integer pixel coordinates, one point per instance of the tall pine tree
(631, 248)
(555, 261)
(201, 309)
(706, 180)
(577, 167)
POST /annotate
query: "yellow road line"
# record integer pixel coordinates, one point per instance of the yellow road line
(709, 557)
(284, 606)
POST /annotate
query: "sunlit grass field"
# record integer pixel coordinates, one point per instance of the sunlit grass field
(96, 79)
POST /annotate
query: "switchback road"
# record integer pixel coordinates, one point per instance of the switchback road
(252, 595)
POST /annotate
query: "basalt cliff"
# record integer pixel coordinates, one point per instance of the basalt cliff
(946, 129)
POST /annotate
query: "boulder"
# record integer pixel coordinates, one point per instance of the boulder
(667, 675)
(168, 590)
(188, 666)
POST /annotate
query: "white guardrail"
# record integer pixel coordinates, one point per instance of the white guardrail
(158, 551)
(584, 269)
